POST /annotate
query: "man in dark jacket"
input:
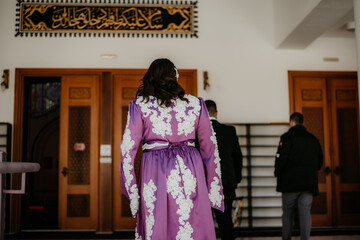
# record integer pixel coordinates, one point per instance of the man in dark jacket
(231, 166)
(298, 159)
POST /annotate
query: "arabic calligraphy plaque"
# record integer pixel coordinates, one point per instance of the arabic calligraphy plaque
(44, 18)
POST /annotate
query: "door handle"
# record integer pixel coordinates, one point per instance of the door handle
(327, 170)
(65, 171)
(337, 170)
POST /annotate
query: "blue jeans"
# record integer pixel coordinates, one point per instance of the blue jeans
(303, 201)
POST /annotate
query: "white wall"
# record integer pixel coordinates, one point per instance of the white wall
(248, 75)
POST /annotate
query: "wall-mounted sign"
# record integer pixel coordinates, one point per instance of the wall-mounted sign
(110, 18)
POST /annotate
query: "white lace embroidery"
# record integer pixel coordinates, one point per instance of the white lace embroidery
(160, 117)
(137, 236)
(214, 194)
(182, 196)
(126, 145)
(186, 121)
(149, 198)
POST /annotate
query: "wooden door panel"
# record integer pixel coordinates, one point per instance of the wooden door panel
(310, 99)
(345, 145)
(188, 80)
(78, 155)
(126, 83)
(332, 98)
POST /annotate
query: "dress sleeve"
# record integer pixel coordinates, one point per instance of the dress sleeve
(210, 156)
(129, 145)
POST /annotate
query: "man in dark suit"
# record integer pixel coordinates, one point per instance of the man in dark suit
(231, 165)
(298, 160)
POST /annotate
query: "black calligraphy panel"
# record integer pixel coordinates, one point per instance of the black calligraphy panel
(41, 17)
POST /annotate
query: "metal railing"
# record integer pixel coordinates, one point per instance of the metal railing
(12, 167)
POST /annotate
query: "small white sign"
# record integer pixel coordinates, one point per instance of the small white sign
(105, 160)
(105, 150)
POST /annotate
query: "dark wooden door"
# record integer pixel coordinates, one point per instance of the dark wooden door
(310, 98)
(329, 103)
(344, 112)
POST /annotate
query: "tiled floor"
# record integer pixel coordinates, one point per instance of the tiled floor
(346, 237)
(354, 237)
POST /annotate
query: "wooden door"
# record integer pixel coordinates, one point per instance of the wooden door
(78, 158)
(345, 150)
(126, 83)
(329, 103)
(310, 99)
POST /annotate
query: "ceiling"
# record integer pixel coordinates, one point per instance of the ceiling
(328, 18)
(339, 28)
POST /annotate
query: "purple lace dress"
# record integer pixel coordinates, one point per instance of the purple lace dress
(175, 193)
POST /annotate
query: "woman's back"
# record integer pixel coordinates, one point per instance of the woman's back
(171, 124)
(175, 193)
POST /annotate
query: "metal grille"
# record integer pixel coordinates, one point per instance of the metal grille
(79, 145)
(314, 123)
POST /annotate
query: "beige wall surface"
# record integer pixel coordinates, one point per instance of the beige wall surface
(247, 73)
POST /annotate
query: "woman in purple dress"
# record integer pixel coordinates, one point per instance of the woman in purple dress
(175, 193)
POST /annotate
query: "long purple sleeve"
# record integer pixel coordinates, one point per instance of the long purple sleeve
(129, 145)
(210, 155)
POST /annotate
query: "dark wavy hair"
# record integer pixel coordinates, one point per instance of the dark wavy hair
(160, 81)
